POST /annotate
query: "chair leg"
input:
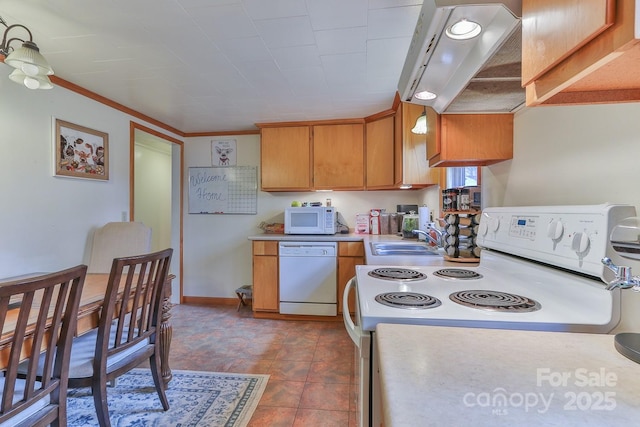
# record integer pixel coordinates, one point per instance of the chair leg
(156, 373)
(99, 390)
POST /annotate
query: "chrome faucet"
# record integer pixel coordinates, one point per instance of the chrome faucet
(436, 241)
(624, 279)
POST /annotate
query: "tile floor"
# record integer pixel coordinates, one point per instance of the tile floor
(311, 363)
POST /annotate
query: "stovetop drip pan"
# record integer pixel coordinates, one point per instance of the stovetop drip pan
(408, 300)
(391, 273)
(457, 273)
(495, 301)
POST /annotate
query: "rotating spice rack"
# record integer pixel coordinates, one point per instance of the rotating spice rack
(459, 237)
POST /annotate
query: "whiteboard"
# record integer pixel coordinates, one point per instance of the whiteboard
(223, 190)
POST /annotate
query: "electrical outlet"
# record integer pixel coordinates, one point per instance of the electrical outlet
(125, 216)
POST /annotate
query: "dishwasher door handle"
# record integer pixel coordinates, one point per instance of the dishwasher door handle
(311, 249)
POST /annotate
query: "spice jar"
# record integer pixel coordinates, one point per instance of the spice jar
(463, 199)
(446, 201)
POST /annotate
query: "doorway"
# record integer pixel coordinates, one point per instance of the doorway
(156, 193)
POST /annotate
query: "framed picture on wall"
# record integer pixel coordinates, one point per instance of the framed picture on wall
(80, 152)
(223, 152)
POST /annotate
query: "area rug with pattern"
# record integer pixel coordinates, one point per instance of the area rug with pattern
(195, 399)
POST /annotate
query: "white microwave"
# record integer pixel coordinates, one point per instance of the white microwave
(310, 220)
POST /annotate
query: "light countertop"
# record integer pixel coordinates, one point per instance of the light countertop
(370, 259)
(351, 237)
(439, 376)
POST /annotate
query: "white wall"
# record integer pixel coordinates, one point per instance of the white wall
(153, 195)
(217, 254)
(573, 155)
(46, 222)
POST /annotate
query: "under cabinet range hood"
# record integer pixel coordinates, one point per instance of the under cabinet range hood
(481, 74)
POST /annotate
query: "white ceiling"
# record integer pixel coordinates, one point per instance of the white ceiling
(218, 65)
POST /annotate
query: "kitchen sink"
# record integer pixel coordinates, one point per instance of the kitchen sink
(401, 248)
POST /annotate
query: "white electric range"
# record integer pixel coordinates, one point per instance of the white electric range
(540, 269)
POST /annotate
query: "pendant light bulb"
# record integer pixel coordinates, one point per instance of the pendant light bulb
(31, 83)
(29, 69)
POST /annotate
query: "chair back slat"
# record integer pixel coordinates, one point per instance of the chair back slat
(138, 282)
(42, 314)
(52, 336)
(16, 349)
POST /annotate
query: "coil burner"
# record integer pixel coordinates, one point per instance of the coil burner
(457, 273)
(408, 300)
(495, 301)
(390, 273)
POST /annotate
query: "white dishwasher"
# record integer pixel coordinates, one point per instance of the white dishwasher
(308, 277)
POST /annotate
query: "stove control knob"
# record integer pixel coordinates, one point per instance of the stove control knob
(580, 243)
(494, 224)
(555, 229)
(488, 224)
(482, 229)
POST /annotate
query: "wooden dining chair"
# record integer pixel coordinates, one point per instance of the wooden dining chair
(127, 332)
(40, 315)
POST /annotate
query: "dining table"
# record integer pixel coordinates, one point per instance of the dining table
(93, 293)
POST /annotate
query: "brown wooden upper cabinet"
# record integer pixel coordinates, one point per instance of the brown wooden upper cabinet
(338, 156)
(396, 157)
(469, 139)
(412, 166)
(307, 156)
(285, 158)
(580, 52)
(380, 153)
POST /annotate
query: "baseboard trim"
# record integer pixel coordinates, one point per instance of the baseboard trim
(209, 300)
(213, 301)
(278, 316)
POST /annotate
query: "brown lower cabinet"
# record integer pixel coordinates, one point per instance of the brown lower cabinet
(265, 276)
(265, 273)
(350, 254)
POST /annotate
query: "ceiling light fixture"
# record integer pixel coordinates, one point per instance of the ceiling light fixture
(31, 68)
(463, 30)
(421, 125)
(425, 95)
(32, 82)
